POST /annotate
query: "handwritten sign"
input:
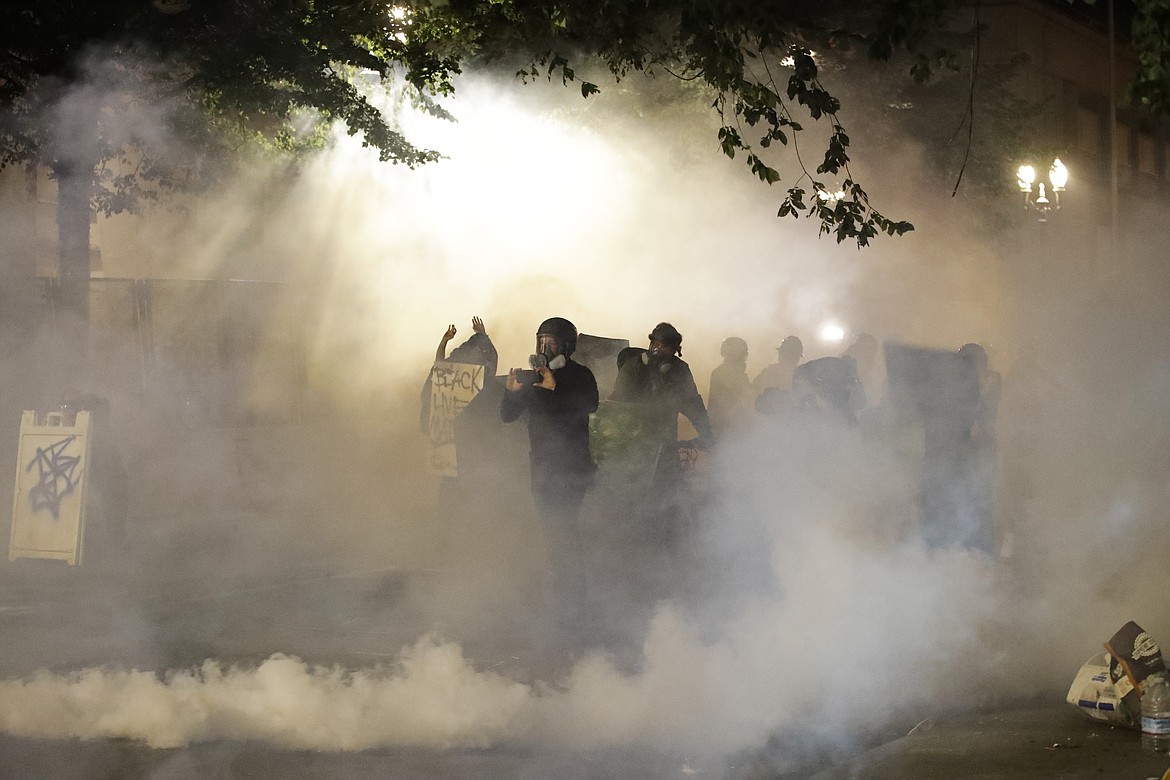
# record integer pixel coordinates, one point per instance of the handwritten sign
(453, 386)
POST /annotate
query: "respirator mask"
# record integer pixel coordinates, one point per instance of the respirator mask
(659, 356)
(539, 360)
(547, 354)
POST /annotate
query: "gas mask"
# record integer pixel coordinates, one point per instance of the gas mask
(540, 360)
(659, 357)
(547, 355)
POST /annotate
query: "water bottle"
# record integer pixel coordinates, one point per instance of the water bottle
(1156, 715)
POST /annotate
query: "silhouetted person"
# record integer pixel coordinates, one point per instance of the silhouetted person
(958, 453)
(826, 388)
(772, 384)
(477, 350)
(474, 431)
(981, 433)
(730, 398)
(990, 392)
(865, 351)
(558, 397)
(661, 383)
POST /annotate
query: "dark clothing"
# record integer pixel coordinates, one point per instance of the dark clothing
(957, 409)
(477, 350)
(558, 433)
(828, 385)
(666, 389)
(561, 466)
(729, 398)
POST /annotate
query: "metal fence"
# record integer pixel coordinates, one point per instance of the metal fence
(208, 351)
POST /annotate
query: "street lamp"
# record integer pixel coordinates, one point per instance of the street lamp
(1038, 199)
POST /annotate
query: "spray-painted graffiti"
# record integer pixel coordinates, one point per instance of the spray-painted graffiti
(57, 476)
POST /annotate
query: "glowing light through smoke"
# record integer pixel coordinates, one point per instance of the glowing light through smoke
(514, 188)
(830, 197)
(831, 332)
(400, 16)
(517, 172)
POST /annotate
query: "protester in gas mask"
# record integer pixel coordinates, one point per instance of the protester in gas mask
(662, 385)
(662, 382)
(559, 395)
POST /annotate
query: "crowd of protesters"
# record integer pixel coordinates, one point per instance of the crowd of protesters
(948, 397)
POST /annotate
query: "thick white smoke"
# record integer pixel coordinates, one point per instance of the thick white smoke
(706, 696)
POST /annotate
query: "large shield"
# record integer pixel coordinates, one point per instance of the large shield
(623, 441)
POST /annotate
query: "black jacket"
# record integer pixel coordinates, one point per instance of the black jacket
(666, 390)
(558, 420)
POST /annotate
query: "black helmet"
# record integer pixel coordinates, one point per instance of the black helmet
(733, 346)
(976, 354)
(791, 346)
(563, 331)
(666, 333)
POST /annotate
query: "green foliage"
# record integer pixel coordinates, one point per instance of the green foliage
(239, 72)
(845, 214)
(748, 53)
(1150, 36)
(233, 73)
(220, 75)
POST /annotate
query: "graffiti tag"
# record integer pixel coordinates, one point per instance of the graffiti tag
(57, 476)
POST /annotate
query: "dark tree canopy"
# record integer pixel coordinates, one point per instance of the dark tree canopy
(226, 72)
(219, 72)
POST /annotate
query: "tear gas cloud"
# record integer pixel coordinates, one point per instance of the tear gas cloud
(819, 610)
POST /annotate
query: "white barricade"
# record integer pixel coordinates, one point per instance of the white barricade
(52, 465)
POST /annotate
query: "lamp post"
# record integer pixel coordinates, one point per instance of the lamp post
(1039, 196)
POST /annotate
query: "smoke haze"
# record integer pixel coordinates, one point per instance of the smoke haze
(812, 607)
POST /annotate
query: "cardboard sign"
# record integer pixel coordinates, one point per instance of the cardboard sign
(453, 386)
(52, 465)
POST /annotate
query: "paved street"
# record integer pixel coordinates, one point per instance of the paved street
(240, 590)
(1031, 742)
(66, 619)
(1049, 741)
